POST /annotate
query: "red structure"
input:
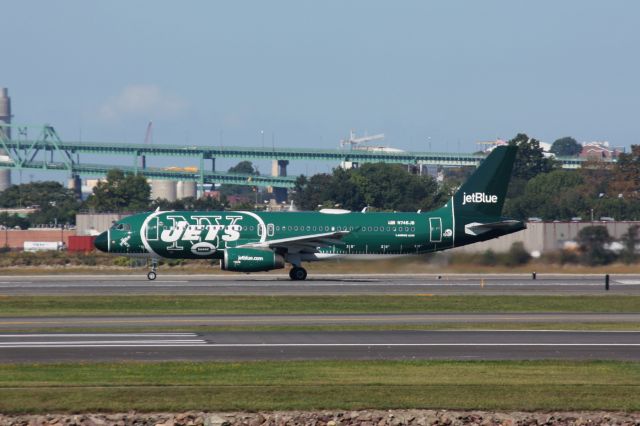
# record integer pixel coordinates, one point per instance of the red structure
(82, 243)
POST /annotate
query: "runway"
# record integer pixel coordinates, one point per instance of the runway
(237, 346)
(176, 321)
(268, 284)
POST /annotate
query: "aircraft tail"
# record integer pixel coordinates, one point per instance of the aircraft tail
(485, 191)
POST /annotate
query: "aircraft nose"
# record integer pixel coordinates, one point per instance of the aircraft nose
(101, 242)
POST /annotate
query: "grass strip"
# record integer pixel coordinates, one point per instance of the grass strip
(307, 385)
(599, 326)
(105, 305)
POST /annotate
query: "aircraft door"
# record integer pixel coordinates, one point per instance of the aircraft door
(435, 229)
(152, 232)
(270, 230)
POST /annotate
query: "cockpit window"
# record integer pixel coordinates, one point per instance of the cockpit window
(121, 227)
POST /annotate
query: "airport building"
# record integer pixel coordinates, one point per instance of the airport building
(544, 237)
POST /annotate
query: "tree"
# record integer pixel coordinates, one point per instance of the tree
(392, 187)
(626, 174)
(517, 255)
(12, 220)
(377, 185)
(553, 195)
(245, 168)
(530, 162)
(630, 240)
(592, 241)
(35, 194)
(191, 203)
(313, 191)
(566, 146)
(54, 202)
(120, 192)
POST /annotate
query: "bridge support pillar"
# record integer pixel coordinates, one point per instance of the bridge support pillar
(75, 184)
(279, 168)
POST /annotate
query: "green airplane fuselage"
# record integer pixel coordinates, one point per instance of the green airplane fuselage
(174, 234)
(254, 241)
(202, 235)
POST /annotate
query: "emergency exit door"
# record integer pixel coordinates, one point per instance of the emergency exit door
(435, 229)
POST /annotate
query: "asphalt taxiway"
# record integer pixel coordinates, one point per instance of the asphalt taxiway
(269, 284)
(235, 346)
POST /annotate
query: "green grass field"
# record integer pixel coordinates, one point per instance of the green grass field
(112, 305)
(597, 326)
(547, 385)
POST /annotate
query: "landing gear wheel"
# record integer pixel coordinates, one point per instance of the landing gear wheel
(298, 274)
(154, 266)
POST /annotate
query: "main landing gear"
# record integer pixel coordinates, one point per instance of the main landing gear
(298, 273)
(154, 267)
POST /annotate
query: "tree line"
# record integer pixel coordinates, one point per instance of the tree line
(538, 188)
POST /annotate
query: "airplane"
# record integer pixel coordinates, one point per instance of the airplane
(252, 241)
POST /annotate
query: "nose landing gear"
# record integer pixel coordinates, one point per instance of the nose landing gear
(152, 274)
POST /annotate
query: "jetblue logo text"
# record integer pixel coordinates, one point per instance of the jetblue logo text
(478, 197)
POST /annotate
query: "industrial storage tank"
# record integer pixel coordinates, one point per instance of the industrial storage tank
(186, 189)
(5, 117)
(164, 189)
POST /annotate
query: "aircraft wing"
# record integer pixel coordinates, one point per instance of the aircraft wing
(307, 243)
(477, 228)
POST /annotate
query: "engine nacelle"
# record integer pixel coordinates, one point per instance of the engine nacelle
(251, 260)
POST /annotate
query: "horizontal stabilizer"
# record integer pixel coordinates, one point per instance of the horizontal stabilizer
(477, 228)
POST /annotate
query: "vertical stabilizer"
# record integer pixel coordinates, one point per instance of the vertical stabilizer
(485, 191)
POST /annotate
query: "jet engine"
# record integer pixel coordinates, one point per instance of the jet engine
(251, 260)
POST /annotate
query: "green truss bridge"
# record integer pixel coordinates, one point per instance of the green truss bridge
(48, 152)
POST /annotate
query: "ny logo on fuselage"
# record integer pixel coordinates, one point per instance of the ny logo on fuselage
(217, 230)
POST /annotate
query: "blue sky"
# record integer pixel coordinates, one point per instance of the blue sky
(306, 72)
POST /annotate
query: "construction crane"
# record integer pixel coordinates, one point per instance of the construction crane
(357, 143)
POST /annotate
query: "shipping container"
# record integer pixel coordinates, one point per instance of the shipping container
(43, 245)
(81, 243)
